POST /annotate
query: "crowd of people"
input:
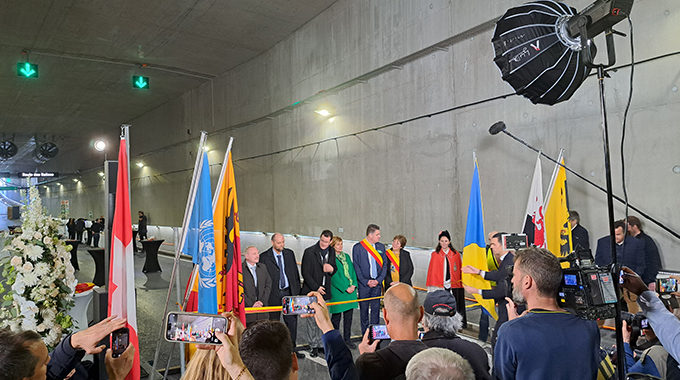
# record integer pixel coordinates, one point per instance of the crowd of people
(531, 339)
(85, 231)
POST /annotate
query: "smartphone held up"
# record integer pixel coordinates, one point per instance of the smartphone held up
(194, 328)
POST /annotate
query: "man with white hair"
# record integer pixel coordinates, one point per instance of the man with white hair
(441, 323)
(438, 364)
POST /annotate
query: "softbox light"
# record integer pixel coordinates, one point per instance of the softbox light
(534, 53)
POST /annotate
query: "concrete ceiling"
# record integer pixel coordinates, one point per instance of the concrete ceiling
(87, 52)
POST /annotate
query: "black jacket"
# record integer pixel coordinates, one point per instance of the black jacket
(389, 362)
(405, 269)
(503, 286)
(141, 226)
(312, 270)
(80, 225)
(253, 293)
(267, 258)
(470, 351)
(652, 258)
(65, 358)
(579, 237)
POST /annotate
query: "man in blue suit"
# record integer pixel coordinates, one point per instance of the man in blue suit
(370, 263)
(630, 252)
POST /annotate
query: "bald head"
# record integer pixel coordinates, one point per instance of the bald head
(252, 255)
(401, 302)
(278, 242)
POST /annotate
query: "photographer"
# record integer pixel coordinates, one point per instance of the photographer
(546, 342)
(654, 357)
(666, 326)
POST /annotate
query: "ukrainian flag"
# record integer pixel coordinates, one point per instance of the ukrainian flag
(474, 250)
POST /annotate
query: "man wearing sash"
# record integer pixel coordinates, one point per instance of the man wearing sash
(371, 266)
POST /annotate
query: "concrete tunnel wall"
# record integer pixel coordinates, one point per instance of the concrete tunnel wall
(414, 178)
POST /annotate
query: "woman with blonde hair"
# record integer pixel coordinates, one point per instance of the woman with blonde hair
(344, 288)
(205, 365)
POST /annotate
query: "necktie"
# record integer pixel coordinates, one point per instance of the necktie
(282, 275)
(252, 270)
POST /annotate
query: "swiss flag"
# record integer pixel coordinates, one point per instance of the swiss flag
(122, 300)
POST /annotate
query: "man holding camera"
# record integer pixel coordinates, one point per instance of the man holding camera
(546, 342)
(501, 276)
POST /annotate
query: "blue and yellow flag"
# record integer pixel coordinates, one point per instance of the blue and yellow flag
(474, 250)
(200, 240)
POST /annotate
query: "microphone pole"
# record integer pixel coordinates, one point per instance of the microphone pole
(500, 126)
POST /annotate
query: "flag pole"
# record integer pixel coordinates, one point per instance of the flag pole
(214, 203)
(178, 247)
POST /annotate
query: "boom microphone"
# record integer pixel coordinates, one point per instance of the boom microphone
(497, 127)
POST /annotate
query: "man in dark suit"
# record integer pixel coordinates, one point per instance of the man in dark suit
(579, 235)
(652, 258)
(630, 252)
(282, 268)
(503, 287)
(370, 264)
(318, 265)
(257, 285)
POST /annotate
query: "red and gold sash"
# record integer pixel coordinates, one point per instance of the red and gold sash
(394, 259)
(371, 250)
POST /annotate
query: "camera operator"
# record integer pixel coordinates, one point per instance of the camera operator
(546, 342)
(654, 358)
(666, 326)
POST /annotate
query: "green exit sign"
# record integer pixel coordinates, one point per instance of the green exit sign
(27, 70)
(140, 82)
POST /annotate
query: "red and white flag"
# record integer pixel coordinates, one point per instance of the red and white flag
(534, 223)
(122, 300)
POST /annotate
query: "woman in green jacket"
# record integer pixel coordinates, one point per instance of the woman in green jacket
(344, 288)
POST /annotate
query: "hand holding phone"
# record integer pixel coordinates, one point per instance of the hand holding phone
(194, 327)
(120, 340)
(377, 332)
(297, 305)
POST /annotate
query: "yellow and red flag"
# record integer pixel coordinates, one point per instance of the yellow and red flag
(228, 242)
(557, 226)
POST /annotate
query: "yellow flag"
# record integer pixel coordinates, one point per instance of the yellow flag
(557, 226)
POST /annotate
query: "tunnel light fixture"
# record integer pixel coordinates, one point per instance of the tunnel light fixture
(140, 164)
(100, 145)
(76, 180)
(323, 112)
(101, 174)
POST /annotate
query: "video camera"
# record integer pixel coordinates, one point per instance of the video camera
(587, 290)
(514, 242)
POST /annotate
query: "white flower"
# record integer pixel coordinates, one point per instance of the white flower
(19, 286)
(30, 279)
(43, 269)
(27, 267)
(37, 236)
(33, 252)
(17, 242)
(41, 327)
(16, 261)
(47, 240)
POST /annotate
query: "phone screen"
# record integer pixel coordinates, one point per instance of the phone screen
(120, 339)
(379, 332)
(297, 305)
(666, 285)
(194, 328)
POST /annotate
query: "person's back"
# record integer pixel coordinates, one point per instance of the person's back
(547, 345)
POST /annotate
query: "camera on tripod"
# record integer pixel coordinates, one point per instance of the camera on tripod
(588, 290)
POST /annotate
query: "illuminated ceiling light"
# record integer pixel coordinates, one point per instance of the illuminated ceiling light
(100, 145)
(75, 180)
(206, 148)
(101, 174)
(58, 184)
(323, 112)
(140, 164)
(332, 119)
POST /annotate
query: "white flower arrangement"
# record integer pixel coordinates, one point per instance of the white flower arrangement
(38, 281)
